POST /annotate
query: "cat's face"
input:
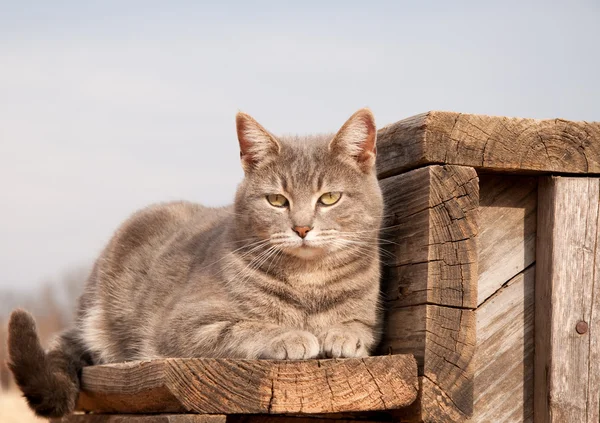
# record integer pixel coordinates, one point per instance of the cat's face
(313, 196)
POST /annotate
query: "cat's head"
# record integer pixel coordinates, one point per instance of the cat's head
(309, 196)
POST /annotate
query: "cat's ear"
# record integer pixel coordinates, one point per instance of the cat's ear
(357, 140)
(257, 145)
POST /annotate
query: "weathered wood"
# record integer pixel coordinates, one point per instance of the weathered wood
(224, 386)
(503, 362)
(507, 229)
(443, 342)
(203, 418)
(489, 142)
(432, 224)
(151, 418)
(431, 287)
(311, 419)
(567, 374)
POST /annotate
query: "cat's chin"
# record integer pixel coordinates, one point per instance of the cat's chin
(306, 253)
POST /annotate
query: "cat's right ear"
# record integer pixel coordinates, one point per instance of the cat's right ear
(357, 139)
(257, 145)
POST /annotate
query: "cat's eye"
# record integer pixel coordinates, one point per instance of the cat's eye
(277, 200)
(330, 198)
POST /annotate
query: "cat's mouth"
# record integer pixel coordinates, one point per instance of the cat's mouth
(307, 251)
(302, 248)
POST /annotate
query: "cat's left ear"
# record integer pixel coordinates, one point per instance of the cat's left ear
(357, 140)
(257, 145)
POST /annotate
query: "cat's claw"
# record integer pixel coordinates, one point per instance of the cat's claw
(292, 345)
(340, 343)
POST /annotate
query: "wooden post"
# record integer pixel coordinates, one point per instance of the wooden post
(567, 315)
(431, 286)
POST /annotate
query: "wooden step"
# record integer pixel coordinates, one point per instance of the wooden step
(225, 386)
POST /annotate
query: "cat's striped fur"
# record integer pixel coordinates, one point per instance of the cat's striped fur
(184, 280)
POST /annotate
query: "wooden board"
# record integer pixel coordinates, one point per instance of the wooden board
(567, 374)
(507, 230)
(200, 418)
(503, 362)
(225, 386)
(312, 419)
(152, 418)
(431, 286)
(489, 142)
(431, 226)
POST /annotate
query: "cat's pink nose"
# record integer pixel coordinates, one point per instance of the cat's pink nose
(301, 230)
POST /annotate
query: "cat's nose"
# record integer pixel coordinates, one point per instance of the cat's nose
(301, 230)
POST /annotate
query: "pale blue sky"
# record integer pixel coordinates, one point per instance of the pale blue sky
(106, 107)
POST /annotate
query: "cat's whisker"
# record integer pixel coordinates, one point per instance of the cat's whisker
(256, 244)
(258, 263)
(250, 265)
(378, 239)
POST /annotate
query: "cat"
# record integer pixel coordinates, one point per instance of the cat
(290, 271)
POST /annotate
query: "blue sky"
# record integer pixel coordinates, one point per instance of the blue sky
(106, 107)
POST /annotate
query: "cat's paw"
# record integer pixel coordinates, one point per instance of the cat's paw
(292, 345)
(339, 343)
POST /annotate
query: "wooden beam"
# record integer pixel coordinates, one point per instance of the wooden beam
(503, 362)
(150, 418)
(489, 142)
(203, 418)
(430, 286)
(321, 418)
(507, 229)
(567, 308)
(225, 386)
(431, 228)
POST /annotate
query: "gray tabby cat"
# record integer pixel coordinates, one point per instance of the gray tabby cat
(290, 271)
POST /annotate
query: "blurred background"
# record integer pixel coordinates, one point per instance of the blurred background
(106, 107)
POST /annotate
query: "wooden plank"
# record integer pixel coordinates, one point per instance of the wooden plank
(489, 142)
(431, 286)
(507, 230)
(204, 418)
(151, 418)
(311, 419)
(503, 362)
(432, 225)
(225, 386)
(567, 375)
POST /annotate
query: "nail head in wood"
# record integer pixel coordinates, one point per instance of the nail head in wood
(581, 327)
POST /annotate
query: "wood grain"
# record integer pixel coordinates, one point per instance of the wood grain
(443, 341)
(430, 286)
(312, 419)
(489, 142)
(151, 418)
(224, 386)
(203, 418)
(507, 230)
(567, 375)
(432, 226)
(503, 362)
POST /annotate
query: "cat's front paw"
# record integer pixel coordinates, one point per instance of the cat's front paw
(292, 345)
(338, 342)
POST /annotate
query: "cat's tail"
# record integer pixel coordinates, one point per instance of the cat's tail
(49, 380)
